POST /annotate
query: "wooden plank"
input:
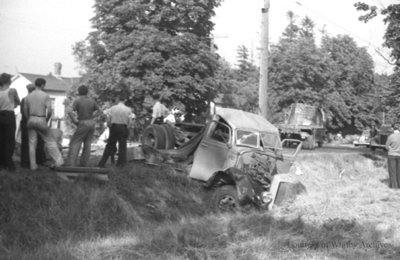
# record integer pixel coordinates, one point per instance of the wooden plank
(88, 170)
(73, 175)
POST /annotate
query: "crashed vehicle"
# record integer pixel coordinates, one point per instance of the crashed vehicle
(306, 123)
(239, 156)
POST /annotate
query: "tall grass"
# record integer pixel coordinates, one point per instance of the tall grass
(149, 212)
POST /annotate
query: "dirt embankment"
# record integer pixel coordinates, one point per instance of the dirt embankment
(148, 212)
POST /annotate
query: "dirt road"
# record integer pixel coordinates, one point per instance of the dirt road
(343, 148)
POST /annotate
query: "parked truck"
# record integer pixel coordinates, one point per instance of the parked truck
(237, 155)
(306, 123)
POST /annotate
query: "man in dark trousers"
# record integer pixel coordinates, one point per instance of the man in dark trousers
(85, 108)
(40, 154)
(119, 119)
(393, 147)
(9, 100)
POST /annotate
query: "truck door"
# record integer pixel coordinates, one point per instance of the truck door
(288, 155)
(212, 152)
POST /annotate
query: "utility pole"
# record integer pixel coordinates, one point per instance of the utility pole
(263, 84)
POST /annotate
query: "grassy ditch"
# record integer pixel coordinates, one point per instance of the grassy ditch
(148, 212)
(38, 208)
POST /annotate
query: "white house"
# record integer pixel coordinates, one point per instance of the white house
(56, 86)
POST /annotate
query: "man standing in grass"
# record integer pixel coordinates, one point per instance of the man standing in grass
(85, 108)
(119, 119)
(393, 147)
(37, 109)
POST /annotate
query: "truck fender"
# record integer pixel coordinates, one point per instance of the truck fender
(236, 177)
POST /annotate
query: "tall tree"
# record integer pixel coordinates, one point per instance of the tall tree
(139, 47)
(390, 91)
(352, 73)
(240, 85)
(298, 71)
(336, 76)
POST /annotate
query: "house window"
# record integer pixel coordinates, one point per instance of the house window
(53, 105)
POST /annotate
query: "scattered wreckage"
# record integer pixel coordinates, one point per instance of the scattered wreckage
(364, 139)
(237, 154)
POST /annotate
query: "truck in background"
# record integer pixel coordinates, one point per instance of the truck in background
(306, 123)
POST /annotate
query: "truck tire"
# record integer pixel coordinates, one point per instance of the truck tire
(225, 199)
(170, 136)
(320, 143)
(154, 136)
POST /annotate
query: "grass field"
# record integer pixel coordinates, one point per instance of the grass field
(150, 212)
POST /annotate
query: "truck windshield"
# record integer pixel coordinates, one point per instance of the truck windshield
(247, 138)
(271, 140)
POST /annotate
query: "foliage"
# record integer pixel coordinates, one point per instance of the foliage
(337, 76)
(239, 86)
(143, 47)
(391, 88)
(352, 74)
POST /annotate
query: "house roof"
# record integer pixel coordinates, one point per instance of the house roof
(59, 84)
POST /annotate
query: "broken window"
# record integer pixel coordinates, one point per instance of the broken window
(220, 133)
(248, 138)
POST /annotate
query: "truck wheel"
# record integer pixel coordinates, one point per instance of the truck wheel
(225, 199)
(170, 136)
(154, 136)
(320, 143)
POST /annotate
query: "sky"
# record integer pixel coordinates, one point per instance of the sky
(37, 34)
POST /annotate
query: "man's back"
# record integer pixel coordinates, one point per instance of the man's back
(120, 114)
(85, 107)
(393, 144)
(37, 102)
(159, 110)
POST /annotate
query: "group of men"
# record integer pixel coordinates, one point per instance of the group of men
(36, 133)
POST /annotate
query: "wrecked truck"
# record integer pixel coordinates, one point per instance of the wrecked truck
(306, 123)
(239, 157)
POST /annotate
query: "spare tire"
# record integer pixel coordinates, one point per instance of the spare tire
(154, 136)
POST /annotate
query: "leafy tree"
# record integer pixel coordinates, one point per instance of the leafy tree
(298, 71)
(392, 20)
(336, 76)
(239, 86)
(140, 47)
(352, 71)
(389, 92)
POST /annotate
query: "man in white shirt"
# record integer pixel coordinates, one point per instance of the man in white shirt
(159, 111)
(393, 147)
(120, 116)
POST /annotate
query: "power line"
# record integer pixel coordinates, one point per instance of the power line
(369, 43)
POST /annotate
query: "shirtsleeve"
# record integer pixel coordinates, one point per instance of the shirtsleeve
(75, 105)
(15, 97)
(96, 107)
(388, 141)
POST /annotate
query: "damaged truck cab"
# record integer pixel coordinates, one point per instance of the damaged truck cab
(239, 157)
